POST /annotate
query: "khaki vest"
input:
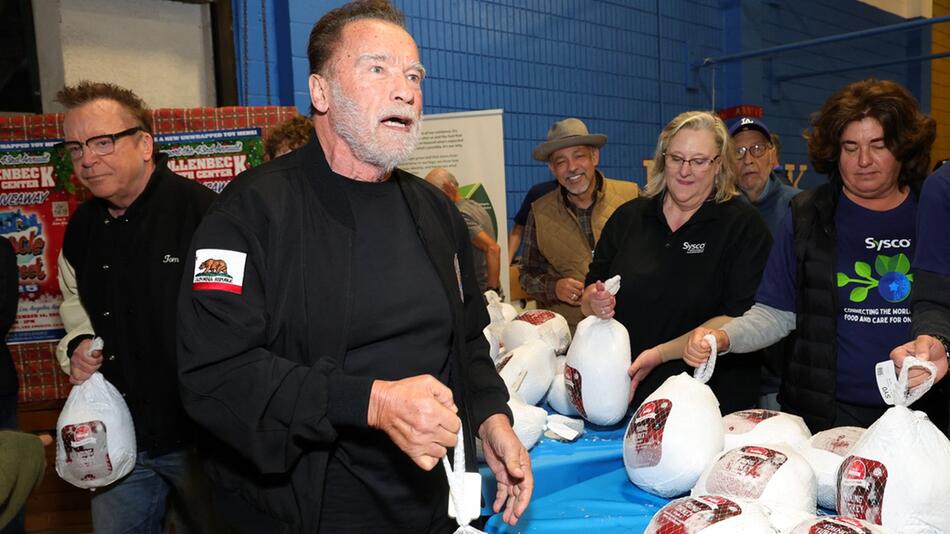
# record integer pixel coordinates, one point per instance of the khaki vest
(562, 242)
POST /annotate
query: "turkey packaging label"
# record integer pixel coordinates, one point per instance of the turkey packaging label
(674, 434)
(646, 432)
(861, 488)
(598, 360)
(559, 396)
(708, 514)
(837, 525)
(775, 475)
(95, 437)
(762, 427)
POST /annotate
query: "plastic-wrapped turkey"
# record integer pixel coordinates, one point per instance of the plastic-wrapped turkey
(709, 514)
(834, 524)
(545, 325)
(559, 397)
(528, 370)
(761, 427)
(825, 452)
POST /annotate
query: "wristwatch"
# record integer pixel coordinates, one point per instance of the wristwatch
(944, 342)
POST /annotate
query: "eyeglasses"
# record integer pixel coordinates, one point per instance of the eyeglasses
(756, 150)
(101, 145)
(696, 164)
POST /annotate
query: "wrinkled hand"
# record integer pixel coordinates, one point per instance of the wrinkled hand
(569, 290)
(83, 363)
(419, 416)
(924, 348)
(698, 349)
(646, 362)
(509, 461)
(598, 301)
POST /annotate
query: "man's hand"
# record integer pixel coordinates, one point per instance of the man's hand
(698, 349)
(419, 416)
(646, 362)
(509, 461)
(569, 290)
(83, 363)
(924, 348)
(598, 301)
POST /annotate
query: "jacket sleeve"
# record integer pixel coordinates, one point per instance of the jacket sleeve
(931, 304)
(74, 316)
(485, 390)
(269, 407)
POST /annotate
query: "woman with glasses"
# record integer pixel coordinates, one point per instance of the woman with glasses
(840, 272)
(689, 252)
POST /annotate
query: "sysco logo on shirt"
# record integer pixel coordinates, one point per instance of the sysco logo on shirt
(879, 244)
(694, 248)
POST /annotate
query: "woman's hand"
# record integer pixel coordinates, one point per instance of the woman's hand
(698, 349)
(641, 367)
(598, 301)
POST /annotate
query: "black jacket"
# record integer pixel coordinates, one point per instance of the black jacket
(9, 297)
(809, 382)
(128, 270)
(262, 370)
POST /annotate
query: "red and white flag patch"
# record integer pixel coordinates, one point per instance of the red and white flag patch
(219, 270)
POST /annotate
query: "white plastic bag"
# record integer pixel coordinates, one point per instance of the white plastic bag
(529, 420)
(897, 473)
(545, 325)
(558, 396)
(825, 452)
(709, 514)
(761, 427)
(773, 475)
(95, 438)
(501, 313)
(674, 434)
(597, 362)
(833, 524)
(528, 370)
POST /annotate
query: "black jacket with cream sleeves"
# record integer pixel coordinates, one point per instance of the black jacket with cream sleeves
(261, 365)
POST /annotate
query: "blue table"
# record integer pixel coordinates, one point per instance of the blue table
(557, 465)
(608, 503)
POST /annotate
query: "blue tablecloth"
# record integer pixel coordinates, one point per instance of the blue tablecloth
(604, 504)
(557, 465)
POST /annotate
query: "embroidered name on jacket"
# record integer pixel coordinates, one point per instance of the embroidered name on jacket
(219, 270)
(694, 248)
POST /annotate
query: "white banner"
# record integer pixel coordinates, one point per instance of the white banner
(470, 145)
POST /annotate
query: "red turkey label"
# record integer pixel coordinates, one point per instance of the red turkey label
(744, 421)
(693, 514)
(745, 471)
(87, 450)
(646, 428)
(536, 317)
(839, 525)
(839, 443)
(861, 488)
(572, 380)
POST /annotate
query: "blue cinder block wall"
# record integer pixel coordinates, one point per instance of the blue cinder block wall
(623, 66)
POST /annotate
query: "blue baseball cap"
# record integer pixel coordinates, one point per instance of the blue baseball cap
(749, 123)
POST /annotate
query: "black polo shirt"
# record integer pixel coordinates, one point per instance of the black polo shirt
(128, 271)
(671, 282)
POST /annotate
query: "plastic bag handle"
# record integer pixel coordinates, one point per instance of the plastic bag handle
(905, 396)
(457, 486)
(705, 370)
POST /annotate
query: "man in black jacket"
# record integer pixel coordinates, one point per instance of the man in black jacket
(122, 259)
(331, 334)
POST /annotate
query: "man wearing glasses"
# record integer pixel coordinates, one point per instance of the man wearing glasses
(119, 273)
(756, 160)
(564, 225)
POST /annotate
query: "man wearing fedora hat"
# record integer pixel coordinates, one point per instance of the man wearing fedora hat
(564, 224)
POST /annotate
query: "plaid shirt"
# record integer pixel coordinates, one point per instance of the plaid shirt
(536, 279)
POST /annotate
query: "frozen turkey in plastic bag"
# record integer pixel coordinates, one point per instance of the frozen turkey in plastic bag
(774, 475)
(529, 420)
(709, 514)
(95, 437)
(833, 524)
(825, 452)
(558, 396)
(528, 370)
(501, 313)
(675, 432)
(761, 427)
(546, 325)
(596, 371)
(897, 473)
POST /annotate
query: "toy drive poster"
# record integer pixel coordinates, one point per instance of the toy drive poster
(37, 198)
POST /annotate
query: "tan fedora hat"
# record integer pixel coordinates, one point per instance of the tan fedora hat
(568, 132)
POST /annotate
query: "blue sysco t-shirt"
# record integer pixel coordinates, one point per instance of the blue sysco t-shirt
(874, 279)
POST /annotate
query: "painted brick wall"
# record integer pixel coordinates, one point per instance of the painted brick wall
(620, 65)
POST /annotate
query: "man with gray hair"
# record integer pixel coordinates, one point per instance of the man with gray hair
(486, 251)
(330, 336)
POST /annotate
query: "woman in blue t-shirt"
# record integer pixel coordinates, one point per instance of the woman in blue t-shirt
(839, 272)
